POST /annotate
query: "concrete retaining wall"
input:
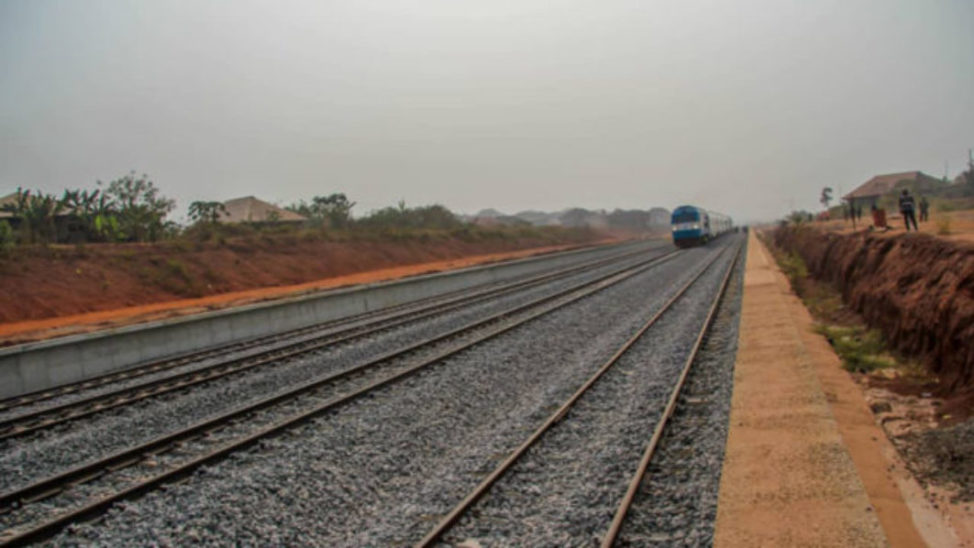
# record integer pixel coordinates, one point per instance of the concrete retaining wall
(41, 365)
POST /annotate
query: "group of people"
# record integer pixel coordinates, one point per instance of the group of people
(908, 208)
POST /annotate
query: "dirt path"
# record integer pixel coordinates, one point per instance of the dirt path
(806, 464)
(959, 225)
(33, 330)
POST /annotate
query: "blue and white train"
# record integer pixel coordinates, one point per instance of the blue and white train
(694, 225)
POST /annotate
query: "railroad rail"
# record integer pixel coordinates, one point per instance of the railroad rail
(173, 362)
(640, 474)
(447, 522)
(49, 417)
(206, 433)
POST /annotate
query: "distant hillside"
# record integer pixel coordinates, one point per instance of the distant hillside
(637, 220)
(539, 218)
(488, 213)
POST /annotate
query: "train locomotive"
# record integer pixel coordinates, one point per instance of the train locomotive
(695, 226)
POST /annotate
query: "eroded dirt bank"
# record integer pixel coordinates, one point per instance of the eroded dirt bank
(43, 283)
(917, 289)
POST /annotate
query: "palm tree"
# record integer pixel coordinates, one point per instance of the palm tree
(826, 196)
(36, 213)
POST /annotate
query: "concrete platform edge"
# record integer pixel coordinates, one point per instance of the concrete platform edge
(45, 364)
(788, 477)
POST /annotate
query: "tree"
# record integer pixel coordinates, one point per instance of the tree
(206, 212)
(799, 217)
(94, 214)
(140, 209)
(429, 217)
(826, 197)
(335, 209)
(7, 238)
(37, 213)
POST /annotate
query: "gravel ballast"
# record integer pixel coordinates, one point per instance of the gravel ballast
(44, 454)
(379, 471)
(254, 346)
(567, 487)
(677, 501)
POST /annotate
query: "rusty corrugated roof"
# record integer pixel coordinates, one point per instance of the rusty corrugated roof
(251, 210)
(881, 184)
(8, 199)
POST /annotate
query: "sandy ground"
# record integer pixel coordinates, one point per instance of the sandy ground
(900, 415)
(33, 330)
(806, 463)
(959, 225)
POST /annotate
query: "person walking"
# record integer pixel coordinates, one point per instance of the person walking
(924, 209)
(907, 208)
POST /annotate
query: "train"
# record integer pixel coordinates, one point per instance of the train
(694, 225)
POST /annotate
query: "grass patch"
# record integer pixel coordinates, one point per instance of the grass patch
(793, 267)
(862, 350)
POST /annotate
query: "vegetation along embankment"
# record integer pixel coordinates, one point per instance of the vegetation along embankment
(49, 281)
(917, 289)
(113, 246)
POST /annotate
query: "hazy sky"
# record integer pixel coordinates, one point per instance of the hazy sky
(748, 107)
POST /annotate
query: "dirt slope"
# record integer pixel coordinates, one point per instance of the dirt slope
(60, 281)
(917, 289)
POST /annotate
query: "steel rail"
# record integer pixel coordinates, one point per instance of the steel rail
(27, 423)
(184, 359)
(484, 486)
(239, 346)
(620, 515)
(129, 457)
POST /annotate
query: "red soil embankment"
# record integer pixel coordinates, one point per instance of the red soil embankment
(917, 289)
(47, 285)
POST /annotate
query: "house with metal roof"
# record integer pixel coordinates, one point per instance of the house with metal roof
(251, 210)
(9, 199)
(67, 227)
(869, 193)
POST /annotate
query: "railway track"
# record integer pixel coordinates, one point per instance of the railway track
(176, 455)
(335, 333)
(464, 506)
(397, 311)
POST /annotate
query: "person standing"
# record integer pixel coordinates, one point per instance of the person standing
(924, 209)
(908, 208)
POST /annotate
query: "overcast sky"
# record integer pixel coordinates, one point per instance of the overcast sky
(748, 107)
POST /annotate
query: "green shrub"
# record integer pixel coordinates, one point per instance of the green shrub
(7, 238)
(434, 216)
(794, 269)
(177, 268)
(860, 349)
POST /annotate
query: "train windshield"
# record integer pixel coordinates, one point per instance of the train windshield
(685, 216)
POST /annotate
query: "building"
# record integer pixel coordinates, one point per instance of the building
(869, 193)
(251, 210)
(9, 199)
(66, 226)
